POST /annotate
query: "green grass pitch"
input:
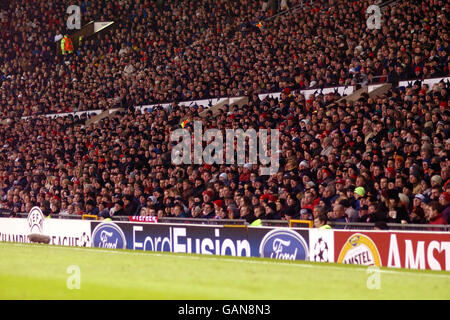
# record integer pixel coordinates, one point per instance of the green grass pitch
(32, 271)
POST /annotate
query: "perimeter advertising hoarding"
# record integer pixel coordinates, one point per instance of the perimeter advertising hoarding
(410, 250)
(61, 231)
(401, 249)
(279, 243)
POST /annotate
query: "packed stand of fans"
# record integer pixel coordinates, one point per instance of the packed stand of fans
(186, 50)
(376, 159)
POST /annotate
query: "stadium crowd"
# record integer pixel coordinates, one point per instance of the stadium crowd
(376, 159)
(163, 51)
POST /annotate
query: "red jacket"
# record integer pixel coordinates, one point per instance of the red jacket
(439, 219)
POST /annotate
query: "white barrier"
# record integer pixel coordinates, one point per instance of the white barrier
(430, 82)
(65, 114)
(342, 90)
(61, 231)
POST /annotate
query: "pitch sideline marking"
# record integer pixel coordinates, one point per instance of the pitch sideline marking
(236, 259)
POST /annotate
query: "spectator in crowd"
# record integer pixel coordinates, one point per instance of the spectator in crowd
(260, 212)
(119, 209)
(247, 214)
(104, 216)
(306, 214)
(434, 213)
(444, 201)
(320, 222)
(381, 225)
(103, 209)
(396, 210)
(91, 208)
(208, 211)
(178, 211)
(130, 205)
(338, 215)
(417, 214)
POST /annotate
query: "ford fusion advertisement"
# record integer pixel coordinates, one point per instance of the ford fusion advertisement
(279, 243)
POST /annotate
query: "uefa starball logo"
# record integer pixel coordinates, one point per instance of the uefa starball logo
(108, 235)
(258, 147)
(35, 220)
(284, 244)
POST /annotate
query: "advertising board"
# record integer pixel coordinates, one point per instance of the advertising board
(65, 232)
(410, 250)
(397, 249)
(278, 243)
